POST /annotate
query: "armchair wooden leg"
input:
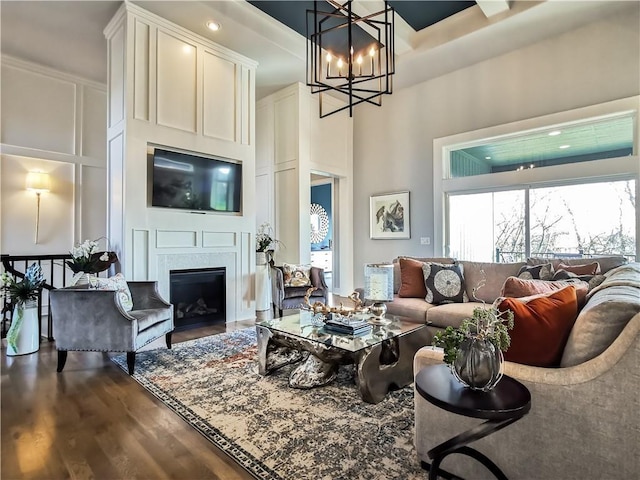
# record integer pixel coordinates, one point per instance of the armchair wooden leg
(279, 313)
(168, 338)
(131, 361)
(62, 359)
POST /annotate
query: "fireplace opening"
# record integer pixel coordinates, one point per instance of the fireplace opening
(198, 297)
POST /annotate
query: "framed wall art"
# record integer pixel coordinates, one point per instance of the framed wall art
(389, 216)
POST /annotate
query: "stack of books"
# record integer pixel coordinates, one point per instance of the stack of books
(346, 325)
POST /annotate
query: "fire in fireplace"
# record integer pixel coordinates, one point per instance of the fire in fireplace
(198, 297)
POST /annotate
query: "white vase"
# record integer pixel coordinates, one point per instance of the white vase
(84, 278)
(22, 337)
(263, 283)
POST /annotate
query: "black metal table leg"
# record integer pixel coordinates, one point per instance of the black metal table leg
(506, 404)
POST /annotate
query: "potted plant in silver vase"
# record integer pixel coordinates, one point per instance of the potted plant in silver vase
(474, 350)
(23, 335)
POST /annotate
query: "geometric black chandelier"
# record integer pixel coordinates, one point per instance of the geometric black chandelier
(349, 54)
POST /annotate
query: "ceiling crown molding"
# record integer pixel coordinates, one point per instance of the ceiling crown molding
(493, 7)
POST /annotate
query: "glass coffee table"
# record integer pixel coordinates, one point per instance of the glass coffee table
(383, 357)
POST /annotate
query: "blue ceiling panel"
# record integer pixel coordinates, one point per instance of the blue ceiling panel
(418, 14)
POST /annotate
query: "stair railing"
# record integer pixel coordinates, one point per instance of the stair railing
(56, 273)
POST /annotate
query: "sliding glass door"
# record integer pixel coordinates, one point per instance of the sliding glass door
(580, 219)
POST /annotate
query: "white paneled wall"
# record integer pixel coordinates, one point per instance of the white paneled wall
(55, 123)
(38, 110)
(176, 97)
(219, 101)
(172, 88)
(292, 144)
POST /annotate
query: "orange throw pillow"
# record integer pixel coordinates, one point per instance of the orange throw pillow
(541, 328)
(586, 269)
(412, 279)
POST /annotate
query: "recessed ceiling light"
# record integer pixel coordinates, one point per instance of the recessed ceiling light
(213, 26)
(564, 146)
(554, 133)
(487, 158)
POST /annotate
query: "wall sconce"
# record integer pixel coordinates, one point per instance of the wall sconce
(38, 182)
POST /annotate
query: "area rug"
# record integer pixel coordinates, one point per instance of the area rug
(273, 431)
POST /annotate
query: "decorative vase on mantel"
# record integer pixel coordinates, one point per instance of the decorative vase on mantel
(23, 336)
(478, 364)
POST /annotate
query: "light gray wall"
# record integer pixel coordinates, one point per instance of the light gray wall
(393, 145)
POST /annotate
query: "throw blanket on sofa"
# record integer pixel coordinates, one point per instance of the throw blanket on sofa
(623, 276)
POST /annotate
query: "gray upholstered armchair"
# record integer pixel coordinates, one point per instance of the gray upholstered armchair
(293, 297)
(94, 320)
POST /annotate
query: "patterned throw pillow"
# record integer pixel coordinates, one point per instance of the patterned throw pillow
(296, 275)
(119, 284)
(543, 271)
(444, 283)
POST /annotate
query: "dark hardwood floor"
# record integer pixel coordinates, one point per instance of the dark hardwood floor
(94, 421)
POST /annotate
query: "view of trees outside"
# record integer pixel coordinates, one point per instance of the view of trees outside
(585, 219)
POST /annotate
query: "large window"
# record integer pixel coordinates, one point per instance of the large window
(561, 185)
(557, 221)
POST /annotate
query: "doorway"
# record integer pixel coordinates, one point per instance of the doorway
(322, 225)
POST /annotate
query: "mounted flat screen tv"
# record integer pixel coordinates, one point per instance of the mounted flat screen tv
(192, 182)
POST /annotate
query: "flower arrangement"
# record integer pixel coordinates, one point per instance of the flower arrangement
(85, 258)
(20, 292)
(264, 239)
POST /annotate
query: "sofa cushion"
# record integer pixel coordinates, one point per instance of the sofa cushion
(487, 278)
(297, 292)
(296, 275)
(544, 271)
(606, 262)
(451, 314)
(397, 274)
(541, 327)
(411, 279)
(444, 283)
(609, 308)
(150, 316)
(520, 287)
(414, 309)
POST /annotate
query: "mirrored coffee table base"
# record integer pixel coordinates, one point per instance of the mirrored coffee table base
(383, 359)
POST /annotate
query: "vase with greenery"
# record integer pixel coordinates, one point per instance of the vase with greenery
(474, 350)
(22, 295)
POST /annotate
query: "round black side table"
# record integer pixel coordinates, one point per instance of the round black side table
(507, 403)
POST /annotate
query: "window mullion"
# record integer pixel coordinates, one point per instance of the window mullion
(527, 223)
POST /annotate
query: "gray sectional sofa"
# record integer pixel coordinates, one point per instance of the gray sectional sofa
(584, 420)
(493, 275)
